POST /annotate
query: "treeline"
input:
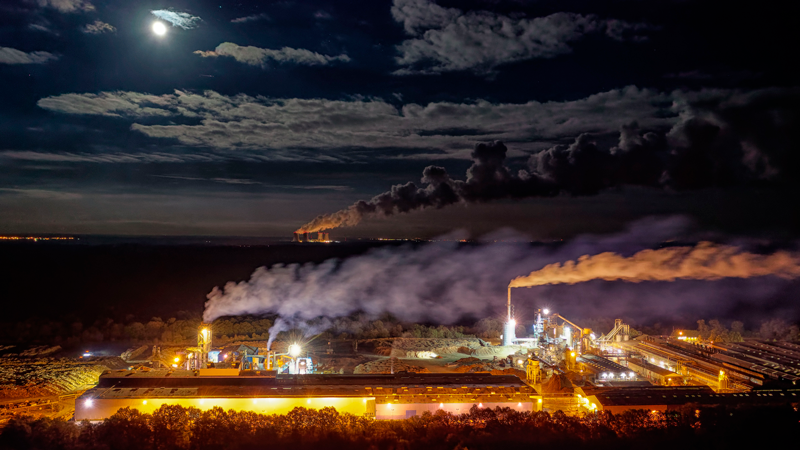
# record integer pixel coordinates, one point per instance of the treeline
(182, 330)
(713, 330)
(775, 329)
(178, 428)
(360, 326)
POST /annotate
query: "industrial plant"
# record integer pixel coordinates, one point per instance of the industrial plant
(321, 236)
(556, 365)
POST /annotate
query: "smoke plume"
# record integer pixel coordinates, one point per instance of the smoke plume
(444, 282)
(721, 139)
(706, 261)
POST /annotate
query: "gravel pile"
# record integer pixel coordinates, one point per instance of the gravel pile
(21, 378)
(388, 366)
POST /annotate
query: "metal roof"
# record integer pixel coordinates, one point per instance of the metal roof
(682, 396)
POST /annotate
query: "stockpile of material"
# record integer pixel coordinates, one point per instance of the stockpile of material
(138, 353)
(475, 365)
(430, 348)
(389, 365)
(20, 378)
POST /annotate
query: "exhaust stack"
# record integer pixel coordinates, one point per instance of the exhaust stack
(204, 344)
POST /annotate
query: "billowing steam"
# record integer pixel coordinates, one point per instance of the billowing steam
(443, 282)
(720, 140)
(706, 261)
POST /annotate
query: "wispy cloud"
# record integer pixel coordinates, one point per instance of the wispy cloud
(98, 27)
(244, 181)
(250, 18)
(99, 158)
(67, 6)
(43, 27)
(14, 56)
(256, 56)
(43, 194)
(285, 128)
(177, 18)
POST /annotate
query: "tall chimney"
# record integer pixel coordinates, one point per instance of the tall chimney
(204, 343)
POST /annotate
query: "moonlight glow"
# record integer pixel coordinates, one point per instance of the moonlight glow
(159, 28)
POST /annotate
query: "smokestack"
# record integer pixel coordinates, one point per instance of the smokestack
(321, 236)
(295, 237)
(705, 261)
(204, 344)
(509, 303)
(306, 237)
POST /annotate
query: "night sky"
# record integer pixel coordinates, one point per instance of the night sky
(251, 118)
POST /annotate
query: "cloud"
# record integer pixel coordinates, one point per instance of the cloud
(448, 39)
(243, 181)
(14, 56)
(250, 18)
(255, 56)
(41, 27)
(177, 19)
(98, 27)
(40, 194)
(116, 158)
(322, 15)
(67, 6)
(237, 181)
(114, 104)
(242, 121)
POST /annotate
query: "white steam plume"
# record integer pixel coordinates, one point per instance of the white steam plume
(443, 282)
(438, 282)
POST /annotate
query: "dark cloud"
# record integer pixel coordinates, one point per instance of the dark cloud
(67, 6)
(98, 27)
(448, 39)
(723, 139)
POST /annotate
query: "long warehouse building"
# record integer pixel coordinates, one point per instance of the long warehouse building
(380, 396)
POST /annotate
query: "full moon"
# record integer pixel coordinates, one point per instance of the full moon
(159, 28)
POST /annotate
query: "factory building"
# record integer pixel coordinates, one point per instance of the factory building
(622, 399)
(655, 374)
(380, 396)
